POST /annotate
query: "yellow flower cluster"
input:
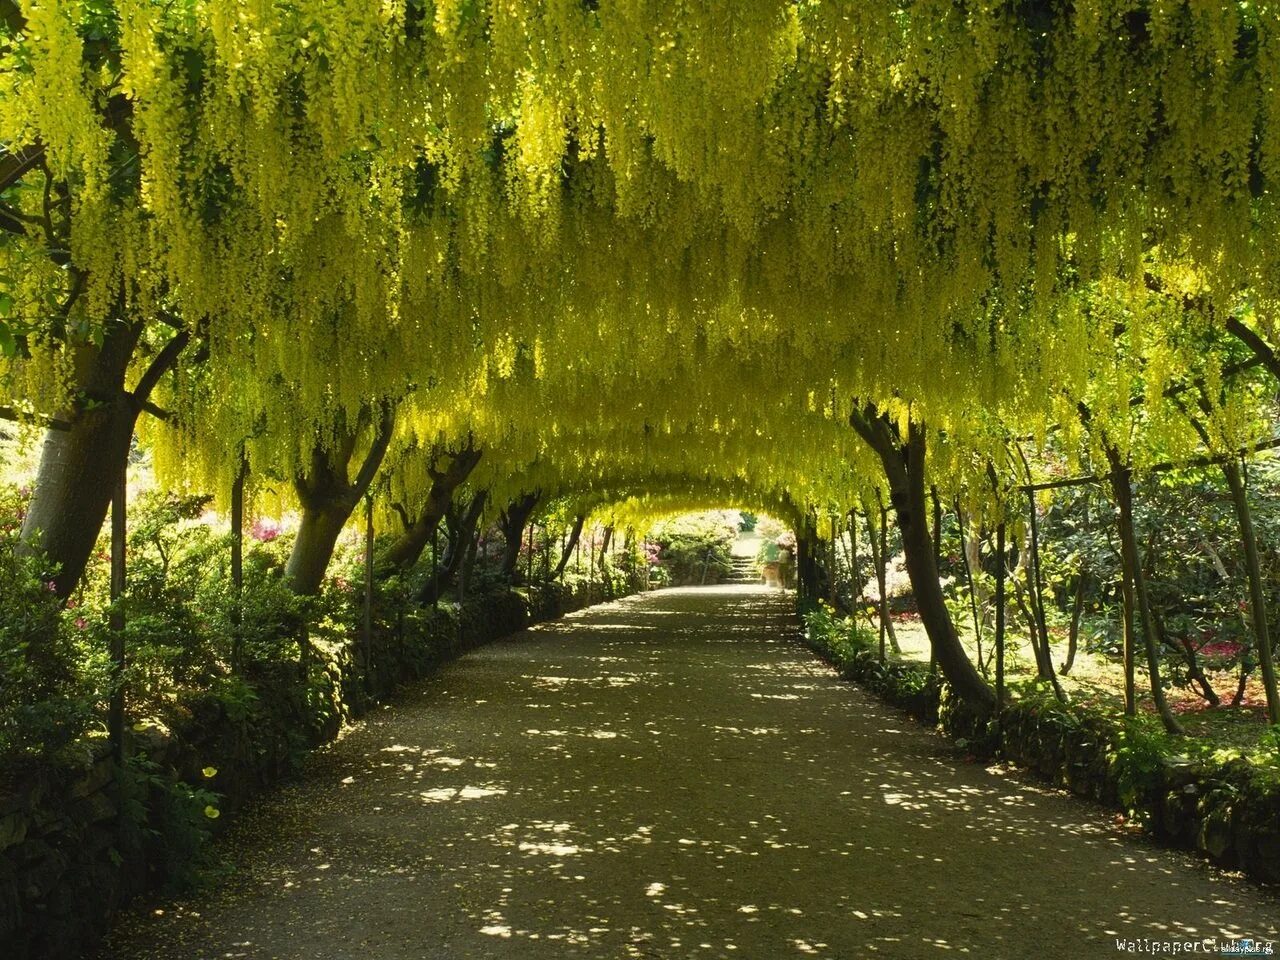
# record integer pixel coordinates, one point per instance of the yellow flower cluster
(636, 246)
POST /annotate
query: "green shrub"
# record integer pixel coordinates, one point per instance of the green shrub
(51, 678)
(695, 547)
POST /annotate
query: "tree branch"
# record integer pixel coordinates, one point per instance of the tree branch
(1208, 460)
(12, 16)
(376, 452)
(1261, 349)
(158, 412)
(403, 514)
(49, 423)
(161, 365)
(14, 164)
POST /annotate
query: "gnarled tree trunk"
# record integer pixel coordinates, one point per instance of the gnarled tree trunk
(86, 451)
(328, 496)
(419, 529)
(572, 542)
(904, 465)
(512, 521)
(461, 524)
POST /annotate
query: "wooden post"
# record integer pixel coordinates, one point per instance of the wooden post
(1001, 571)
(1122, 487)
(968, 575)
(853, 561)
(546, 556)
(119, 533)
(367, 626)
(462, 588)
(937, 564)
(1044, 661)
(528, 565)
(882, 561)
(831, 571)
(237, 563)
(1127, 644)
(435, 567)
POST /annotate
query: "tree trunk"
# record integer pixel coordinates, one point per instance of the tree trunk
(1077, 610)
(604, 546)
(318, 533)
(806, 562)
(81, 462)
(82, 458)
(512, 522)
(904, 465)
(1123, 491)
(1257, 593)
(328, 497)
(569, 546)
(405, 551)
(462, 527)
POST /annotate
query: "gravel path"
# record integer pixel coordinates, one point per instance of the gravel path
(674, 776)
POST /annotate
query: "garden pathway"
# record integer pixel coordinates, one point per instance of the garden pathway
(673, 776)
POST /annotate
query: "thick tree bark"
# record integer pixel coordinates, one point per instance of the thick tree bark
(512, 522)
(406, 549)
(904, 466)
(80, 465)
(328, 498)
(572, 542)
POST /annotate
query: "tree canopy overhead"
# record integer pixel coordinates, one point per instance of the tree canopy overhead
(613, 239)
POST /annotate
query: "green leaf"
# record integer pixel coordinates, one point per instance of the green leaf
(8, 344)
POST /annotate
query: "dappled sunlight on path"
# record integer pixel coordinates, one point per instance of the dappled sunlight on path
(672, 776)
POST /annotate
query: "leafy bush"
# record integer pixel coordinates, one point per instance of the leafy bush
(51, 680)
(695, 547)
